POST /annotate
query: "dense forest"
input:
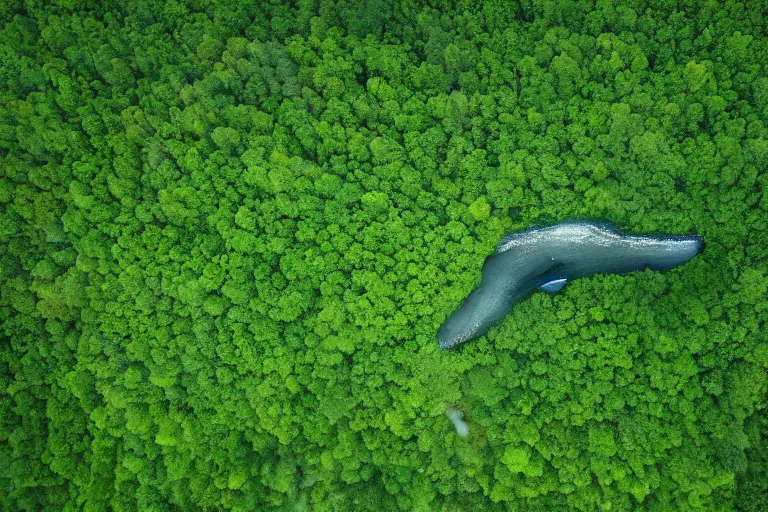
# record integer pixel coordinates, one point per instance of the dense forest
(229, 233)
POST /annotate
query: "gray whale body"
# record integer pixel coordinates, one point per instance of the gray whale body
(549, 257)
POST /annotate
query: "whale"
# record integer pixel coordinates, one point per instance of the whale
(547, 258)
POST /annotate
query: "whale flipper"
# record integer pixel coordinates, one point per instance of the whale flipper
(553, 286)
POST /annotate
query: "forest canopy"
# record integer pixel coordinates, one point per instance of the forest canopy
(229, 232)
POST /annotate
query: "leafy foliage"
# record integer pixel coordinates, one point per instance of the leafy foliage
(230, 230)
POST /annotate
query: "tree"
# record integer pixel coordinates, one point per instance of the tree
(229, 234)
